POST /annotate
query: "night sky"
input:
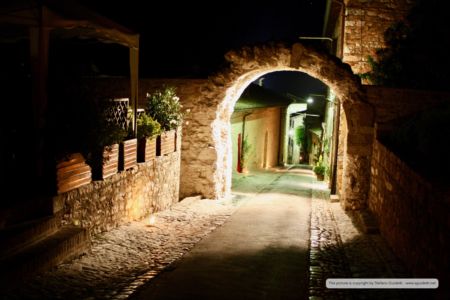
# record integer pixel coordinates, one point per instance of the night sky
(190, 38)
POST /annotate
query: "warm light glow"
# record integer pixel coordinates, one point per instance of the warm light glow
(151, 220)
(222, 134)
(310, 100)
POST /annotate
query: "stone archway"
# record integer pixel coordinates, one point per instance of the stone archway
(206, 151)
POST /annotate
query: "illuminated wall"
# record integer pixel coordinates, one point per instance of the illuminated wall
(365, 24)
(262, 128)
(130, 195)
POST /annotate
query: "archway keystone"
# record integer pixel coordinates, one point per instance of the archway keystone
(206, 156)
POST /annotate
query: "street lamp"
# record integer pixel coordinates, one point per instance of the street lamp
(310, 98)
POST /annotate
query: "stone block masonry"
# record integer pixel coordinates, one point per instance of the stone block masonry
(207, 150)
(130, 195)
(413, 216)
(196, 172)
(365, 24)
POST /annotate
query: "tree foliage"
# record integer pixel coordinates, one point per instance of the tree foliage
(417, 50)
(300, 137)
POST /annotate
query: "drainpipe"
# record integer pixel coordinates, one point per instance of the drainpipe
(342, 13)
(323, 38)
(243, 136)
(243, 123)
(281, 137)
(325, 25)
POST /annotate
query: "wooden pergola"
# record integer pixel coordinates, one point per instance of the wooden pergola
(65, 19)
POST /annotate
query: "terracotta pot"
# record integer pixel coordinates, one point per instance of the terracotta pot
(146, 149)
(72, 173)
(128, 154)
(167, 142)
(106, 163)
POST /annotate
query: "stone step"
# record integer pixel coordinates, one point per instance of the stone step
(25, 209)
(66, 243)
(19, 236)
(334, 198)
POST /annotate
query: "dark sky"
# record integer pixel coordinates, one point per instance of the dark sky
(190, 38)
(296, 83)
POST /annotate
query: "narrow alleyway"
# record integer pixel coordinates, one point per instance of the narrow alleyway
(261, 252)
(279, 237)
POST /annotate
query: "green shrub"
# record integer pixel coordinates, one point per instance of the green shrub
(300, 137)
(147, 127)
(164, 107)
(319, 169)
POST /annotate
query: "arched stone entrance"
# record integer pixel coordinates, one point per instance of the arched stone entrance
(206, 151)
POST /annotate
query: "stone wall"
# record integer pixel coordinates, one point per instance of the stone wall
(249, 63)
(412, 215)
(262, 130)
(196, 172)
(365, 24)
(130, 195)
(206, 150)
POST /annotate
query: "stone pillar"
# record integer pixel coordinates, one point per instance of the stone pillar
(223, 165)
(199, 156)
(341, 150)
(357, 156)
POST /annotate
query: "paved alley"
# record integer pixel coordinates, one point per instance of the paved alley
(278, 237)
(261, 252)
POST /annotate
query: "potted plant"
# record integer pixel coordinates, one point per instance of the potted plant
(147, 130)
(105, 136)
(128, 148)
(164, 107)
(319, 169)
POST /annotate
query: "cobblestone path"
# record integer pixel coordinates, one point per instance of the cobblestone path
(338, 249)
(122, 260)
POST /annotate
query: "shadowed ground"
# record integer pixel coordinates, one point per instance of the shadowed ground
(261, 252)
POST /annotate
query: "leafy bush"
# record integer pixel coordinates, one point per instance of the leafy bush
(320, 168)
(164, 107)
(147, 127)
(416, 51)
(300, 137)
